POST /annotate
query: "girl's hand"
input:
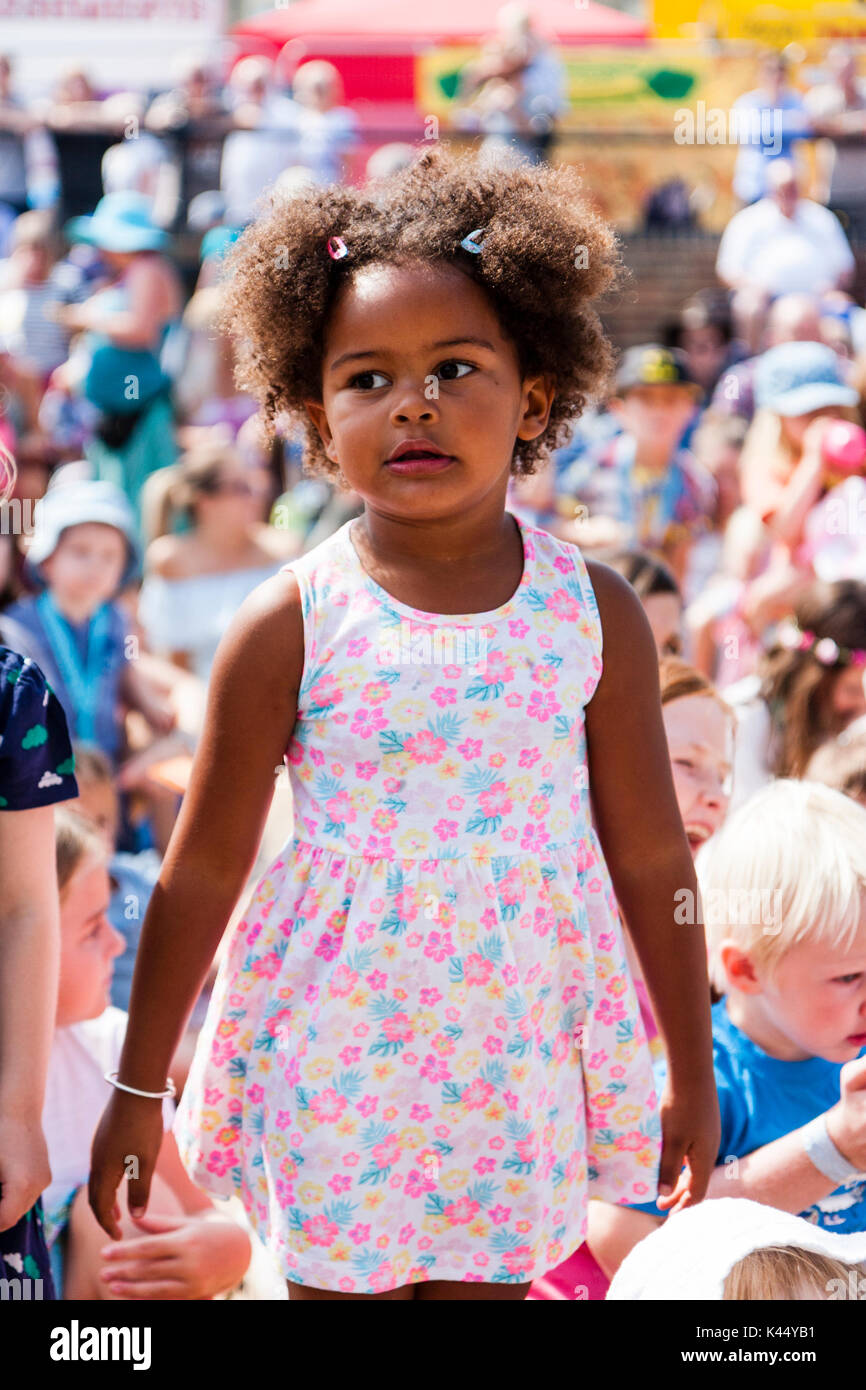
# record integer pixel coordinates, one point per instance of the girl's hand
(177, 1257)
(691, 1133)
(24, 1168)
(813, 437)
(126, 1144)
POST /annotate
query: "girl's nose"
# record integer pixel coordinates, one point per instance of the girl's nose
(117, 944)
(416, 404)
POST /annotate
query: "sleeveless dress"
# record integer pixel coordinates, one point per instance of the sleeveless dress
(424, 1051)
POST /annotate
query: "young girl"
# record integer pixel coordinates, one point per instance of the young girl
(424, 1050)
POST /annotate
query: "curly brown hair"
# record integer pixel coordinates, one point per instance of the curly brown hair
(546, 255)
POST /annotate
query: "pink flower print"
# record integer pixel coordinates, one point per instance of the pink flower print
(329, 1106)
(451, 672)
(343, 981)
(461, 1212)
(340, 1182)
(606, 941)
(514, 701)
(434, 1069)
(328, 946)
(360, 1030)
(425, 747)
(268, 968)
(368, 722)
(610, 1013)
(220, 1163)
(498, 1214)
(443, 696)
(446, 829)
(484, 1165)
(519, 1261)
(284, 1119)
(212, 1094)
(544, 675)
(539, 807)
(388, 1152)
(492, 1045)
(365, 771)
(510, 1099)
(633, 1142)
(418, 1183)
(510, 833)
(529, 1148)
(564, 606)
(455, 803)
(349, 1160)
(617, 1072)
(377, 979)
(378, 847)
(439, 945)
(420, 1112)
(293, 1072)
(430, 997)
(359, 1234)
(542, 704)
(383, 819)
(397, 1028)
(374, 692)
(477, 1094)
(589, 685)
(534, 837)
(279, 1024)
(563, 563)
(256, 1094)
(477, 970)
(311, 994)
(497, 1143)
(497, 669)
(518, 628)
(495, 801)
(406, 1233)
(357, 646)
(326, 692)
(470, 748)
(382, 1278)
(528, 756)
(545, 642)
(339, 809)
(367, 1104)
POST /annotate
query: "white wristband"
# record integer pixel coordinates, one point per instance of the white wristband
(111, 1076)
(825, 1156)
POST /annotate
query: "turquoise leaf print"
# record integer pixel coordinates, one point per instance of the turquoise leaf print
(480, 779)
(482, 690)
(562, 726)
(446, 726)
(483, 825)
(390, 741)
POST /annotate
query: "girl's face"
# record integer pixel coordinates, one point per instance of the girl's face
(698, 733)
(848, 696)
(416, 354)
(794, 427)
(87, 564)
(236, 498)
(88, 945)
(665, 613)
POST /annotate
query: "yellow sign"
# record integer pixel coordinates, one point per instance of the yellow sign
(775, 25)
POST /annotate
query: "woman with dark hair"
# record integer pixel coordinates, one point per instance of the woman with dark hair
(656, 587)
(809, 686)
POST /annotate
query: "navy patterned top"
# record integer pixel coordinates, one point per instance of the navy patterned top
(36, 763)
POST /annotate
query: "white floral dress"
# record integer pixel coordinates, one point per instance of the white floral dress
(424, 1052)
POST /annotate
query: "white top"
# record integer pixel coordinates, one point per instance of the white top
(692, 1254)
(253, 159)
(191, 615)
(76, 1093)
(753, 742)
(803, 254)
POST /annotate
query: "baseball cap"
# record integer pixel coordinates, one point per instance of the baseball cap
(795, 378)
(72, 504)
(650, 364)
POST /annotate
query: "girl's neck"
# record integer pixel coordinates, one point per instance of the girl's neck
(74, 611)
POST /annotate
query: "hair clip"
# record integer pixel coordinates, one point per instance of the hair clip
(337, 248)
(825, 650)
(469, 243)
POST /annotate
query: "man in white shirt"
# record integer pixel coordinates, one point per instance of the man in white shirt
(782, 244)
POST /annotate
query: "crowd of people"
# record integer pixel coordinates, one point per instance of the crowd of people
(721, 471)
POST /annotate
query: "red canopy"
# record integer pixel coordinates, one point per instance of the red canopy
(395, 25)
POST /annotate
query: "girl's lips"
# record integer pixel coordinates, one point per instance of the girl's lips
(857, 1038)
(418, 464)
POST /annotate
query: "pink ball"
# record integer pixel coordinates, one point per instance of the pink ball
(844, 447)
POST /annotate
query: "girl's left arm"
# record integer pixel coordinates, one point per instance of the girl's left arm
(649, 860)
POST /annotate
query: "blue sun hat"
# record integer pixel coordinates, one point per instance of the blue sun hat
(120, 222)
(73, 504)
(795, 378)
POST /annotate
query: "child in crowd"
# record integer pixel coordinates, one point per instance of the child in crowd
(427, 1001)
(643, 480)
(840, 762)
(659, 594)
(192, 1251)
(82, 554)
(810, 685)
(731, 1248)
(784, 899)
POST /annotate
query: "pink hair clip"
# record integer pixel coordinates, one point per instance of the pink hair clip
(337, 248)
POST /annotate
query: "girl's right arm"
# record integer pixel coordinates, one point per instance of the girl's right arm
(250, 717)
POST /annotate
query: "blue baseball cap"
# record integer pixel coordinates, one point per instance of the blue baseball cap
(72, 504)
(120, 222)
(795, 378)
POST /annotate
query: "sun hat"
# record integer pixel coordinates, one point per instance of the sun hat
(121, 221)
(794, 378)
(650, 364)
(692, 1254)
(73, 503)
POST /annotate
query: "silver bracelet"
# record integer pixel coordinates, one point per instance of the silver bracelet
(824, 1154)
(148, 1095)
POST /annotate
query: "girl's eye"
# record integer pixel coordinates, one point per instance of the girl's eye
(848, 979)
(683, 762)
(364, 381)
(444, 370)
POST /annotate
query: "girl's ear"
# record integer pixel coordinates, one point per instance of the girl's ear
(316, 412)
(538, 396)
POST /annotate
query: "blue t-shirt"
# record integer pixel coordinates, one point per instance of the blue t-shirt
(760, 1099)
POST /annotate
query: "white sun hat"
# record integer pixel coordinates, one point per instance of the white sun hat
(692, 1254)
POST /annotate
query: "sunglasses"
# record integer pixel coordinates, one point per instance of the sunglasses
(233, 487)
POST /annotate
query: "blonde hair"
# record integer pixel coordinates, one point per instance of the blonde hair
(765, 439)
(76, 840)
(786, 1272)
(802, 843)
